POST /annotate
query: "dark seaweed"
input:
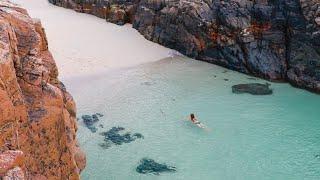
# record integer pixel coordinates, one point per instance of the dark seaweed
(114, 136)
(91, 120)
(149, 166)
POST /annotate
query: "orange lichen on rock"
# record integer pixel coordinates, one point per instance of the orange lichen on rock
(9, 160)
(258, 28)
(228, 37)
(14, 174)
(37, 114)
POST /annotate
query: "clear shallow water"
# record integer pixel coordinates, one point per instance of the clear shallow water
(252, 137)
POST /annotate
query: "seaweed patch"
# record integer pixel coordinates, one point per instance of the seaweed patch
(149, 166)
(113, 136)
(91, 120)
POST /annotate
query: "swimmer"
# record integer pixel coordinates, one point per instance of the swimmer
(195, 121)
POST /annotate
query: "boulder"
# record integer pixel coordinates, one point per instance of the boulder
(252, 88)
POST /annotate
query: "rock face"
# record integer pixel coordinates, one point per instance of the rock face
(37, 114)
(276, 40)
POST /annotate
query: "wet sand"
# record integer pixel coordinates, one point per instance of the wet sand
(84, 44)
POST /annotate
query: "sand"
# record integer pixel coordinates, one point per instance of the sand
(83, 44)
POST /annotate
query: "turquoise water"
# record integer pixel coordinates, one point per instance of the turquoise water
(251, 137)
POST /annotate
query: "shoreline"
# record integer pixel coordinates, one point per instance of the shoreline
(83, 44)
(71, 62)
(174, 27)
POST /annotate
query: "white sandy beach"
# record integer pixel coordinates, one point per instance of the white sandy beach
(84, 44)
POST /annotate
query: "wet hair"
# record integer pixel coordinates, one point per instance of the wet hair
(192, 116)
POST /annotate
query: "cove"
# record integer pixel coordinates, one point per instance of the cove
(251, 137)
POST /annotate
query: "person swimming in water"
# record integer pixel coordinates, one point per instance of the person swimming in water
(195, 121)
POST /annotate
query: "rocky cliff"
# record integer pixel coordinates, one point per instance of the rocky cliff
(274, 39)
(37, 114)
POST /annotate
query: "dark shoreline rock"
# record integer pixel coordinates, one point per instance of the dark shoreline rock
(274, 40)
(252, 88)
(149, 166)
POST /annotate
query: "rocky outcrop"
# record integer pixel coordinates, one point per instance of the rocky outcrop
(37, 114)
(275, 40)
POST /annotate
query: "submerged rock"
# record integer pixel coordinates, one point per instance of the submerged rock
(113, 136)
(148, 83)
(137, 135)
(91, 120)
(252, 88)
(105, 145)
(149, 166)
(99, 114)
